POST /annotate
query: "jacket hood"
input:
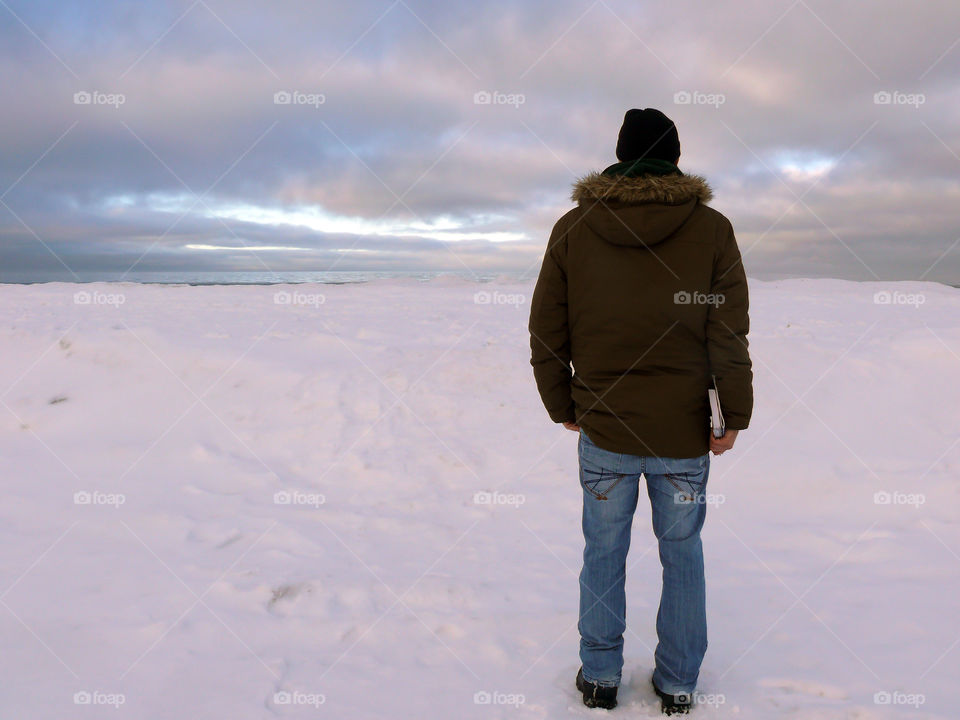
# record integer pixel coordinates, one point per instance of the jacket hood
(638, 211)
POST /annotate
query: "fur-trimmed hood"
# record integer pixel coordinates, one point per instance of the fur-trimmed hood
(670, 189)
(638, 211)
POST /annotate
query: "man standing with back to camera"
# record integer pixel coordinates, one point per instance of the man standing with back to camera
(642, 289)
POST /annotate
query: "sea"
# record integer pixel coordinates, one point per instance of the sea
(332, 277)
(328, 277)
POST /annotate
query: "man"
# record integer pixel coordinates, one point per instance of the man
(642, 289)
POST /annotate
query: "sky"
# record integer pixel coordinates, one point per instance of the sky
(411, 135)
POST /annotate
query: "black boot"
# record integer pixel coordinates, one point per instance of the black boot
(673, 704)
(596, 696)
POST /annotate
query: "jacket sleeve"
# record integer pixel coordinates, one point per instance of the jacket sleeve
(550, 331)
(728, 323)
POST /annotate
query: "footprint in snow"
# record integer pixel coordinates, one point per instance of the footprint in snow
(288, 591)
(800, 687)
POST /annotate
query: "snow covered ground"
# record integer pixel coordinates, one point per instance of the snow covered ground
(348, 502)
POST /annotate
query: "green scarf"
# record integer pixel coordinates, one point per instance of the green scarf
(643, 166)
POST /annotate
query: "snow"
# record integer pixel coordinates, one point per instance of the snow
(348, 502)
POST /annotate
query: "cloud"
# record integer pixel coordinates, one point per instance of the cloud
(391, 162)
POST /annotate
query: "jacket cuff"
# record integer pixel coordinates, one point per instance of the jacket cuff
(736, 423)
(565, 415)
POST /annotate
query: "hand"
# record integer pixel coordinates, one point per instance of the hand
(720, 445)
(572, 426)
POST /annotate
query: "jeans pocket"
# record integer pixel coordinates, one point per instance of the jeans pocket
(599, 482)
(688, 484)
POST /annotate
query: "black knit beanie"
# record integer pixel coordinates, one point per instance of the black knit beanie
(648, 133)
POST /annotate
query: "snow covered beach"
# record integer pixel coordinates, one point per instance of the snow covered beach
(347, 501)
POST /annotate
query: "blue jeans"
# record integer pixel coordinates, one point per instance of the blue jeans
(610, 483)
